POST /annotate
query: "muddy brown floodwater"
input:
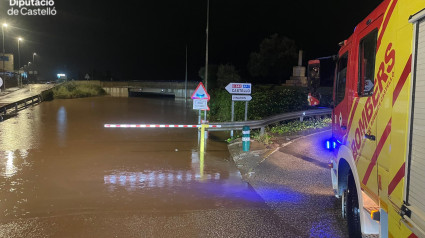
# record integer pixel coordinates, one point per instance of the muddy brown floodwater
(62, 174)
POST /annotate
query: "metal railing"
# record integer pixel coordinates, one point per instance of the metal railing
(12, 108)
(237, 125)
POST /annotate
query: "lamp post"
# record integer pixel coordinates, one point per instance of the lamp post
(34, 67)
(19, 61)
(206, 52)
(2, 32)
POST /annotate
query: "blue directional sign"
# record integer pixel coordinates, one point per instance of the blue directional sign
(239, 88)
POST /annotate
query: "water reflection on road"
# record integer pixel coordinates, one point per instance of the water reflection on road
(57, 159)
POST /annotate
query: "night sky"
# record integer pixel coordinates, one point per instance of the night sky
(145, 40)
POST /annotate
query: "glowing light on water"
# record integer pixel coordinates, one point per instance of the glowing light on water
(10, 168)
(155, 179)
(61, 126)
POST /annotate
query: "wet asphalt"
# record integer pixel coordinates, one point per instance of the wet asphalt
(294, 180)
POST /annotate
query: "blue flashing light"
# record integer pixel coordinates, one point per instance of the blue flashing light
(332, 144)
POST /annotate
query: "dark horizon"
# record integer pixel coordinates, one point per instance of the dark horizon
(97, 35)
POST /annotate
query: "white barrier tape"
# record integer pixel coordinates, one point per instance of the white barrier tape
(156, 126)
(246, 139)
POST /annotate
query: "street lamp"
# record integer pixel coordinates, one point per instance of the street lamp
(19, 60)
(206, 52)
(2, 32)
(34, 67)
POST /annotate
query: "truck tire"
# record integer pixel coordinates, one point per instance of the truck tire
(344, 205)
(353, 210)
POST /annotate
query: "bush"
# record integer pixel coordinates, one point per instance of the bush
(265, 102)
(75, 90)
(297, 126)
(47, 95)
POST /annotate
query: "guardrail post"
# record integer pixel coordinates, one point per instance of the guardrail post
(245, 138)
(25, 103)
(262, 131)
(302, 117)
(16, 107)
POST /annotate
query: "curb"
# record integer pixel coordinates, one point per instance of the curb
(246, 162)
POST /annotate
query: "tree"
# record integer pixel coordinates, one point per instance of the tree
(274, 61)
(212, 75)
(227, 74)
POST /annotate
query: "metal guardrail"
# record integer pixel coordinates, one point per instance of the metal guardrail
(237, 125)
(12, 108)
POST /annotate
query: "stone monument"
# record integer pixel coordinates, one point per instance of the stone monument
(298, 77)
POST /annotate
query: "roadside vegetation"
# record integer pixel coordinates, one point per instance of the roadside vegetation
(266, 101)
(292, 127)
(288, 128)
(76, 90)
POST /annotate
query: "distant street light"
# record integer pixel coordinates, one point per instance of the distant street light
(34, 68)
(4, 71)
(19, 61)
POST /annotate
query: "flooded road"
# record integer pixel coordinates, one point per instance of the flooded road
(62, 174)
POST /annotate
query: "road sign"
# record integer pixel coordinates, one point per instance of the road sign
(1, 82)
(200, 104)
(200, 92)
(241, 98)
(87, 77)
(239, 88)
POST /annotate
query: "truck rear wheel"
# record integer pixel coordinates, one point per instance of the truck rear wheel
(353, 210)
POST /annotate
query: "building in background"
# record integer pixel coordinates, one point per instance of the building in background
(8, 63)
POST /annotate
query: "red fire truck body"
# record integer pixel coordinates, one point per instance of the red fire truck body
(378, 122)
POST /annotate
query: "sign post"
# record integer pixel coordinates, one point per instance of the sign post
(239, 88)
(200, 102)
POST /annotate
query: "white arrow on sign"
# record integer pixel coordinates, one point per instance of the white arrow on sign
(241, 98)
(239, 88)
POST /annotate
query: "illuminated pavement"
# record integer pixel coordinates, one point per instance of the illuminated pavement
(12, 95)
(295, 182)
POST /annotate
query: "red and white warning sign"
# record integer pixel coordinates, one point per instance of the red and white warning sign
(200, 98)
(200, 92)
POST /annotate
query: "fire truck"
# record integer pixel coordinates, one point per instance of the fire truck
(320, 75)
(378, 123)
